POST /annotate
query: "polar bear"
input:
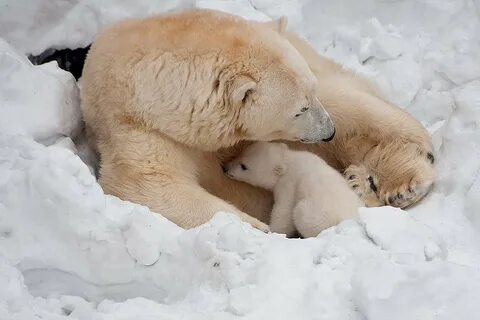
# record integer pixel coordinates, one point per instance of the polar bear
(167, 100)
(161, 95)
(309, 195)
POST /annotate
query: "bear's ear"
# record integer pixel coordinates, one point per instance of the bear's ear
(241, 87)
(279, 25)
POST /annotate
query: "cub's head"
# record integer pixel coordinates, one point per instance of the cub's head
(261, 164)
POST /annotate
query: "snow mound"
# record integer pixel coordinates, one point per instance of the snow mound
(37, 101)
(401, 234)
(67, 250)
(71, 249)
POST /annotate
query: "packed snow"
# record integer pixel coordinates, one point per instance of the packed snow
(68, 251)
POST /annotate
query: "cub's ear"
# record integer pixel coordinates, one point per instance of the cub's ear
(241, 87)
(279, 25)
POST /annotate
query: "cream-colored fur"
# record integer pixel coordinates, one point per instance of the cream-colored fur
(309, 195)
(160, 95)
(164, 99)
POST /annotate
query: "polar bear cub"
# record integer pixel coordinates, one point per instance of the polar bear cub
(309, 195)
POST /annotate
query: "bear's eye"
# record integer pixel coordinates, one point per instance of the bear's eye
(303, 110)
(244, 167)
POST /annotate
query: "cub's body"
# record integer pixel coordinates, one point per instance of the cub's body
(309, 195)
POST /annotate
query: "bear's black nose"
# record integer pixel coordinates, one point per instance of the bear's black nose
(224, 169)
(331, 137)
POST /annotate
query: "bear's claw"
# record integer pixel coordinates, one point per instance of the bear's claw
(363, 185)
(407, 194)
(257, 224)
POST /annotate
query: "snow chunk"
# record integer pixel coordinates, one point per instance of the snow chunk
(394, 230)
(41, 102)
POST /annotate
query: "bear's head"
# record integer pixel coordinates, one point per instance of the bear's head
(214, 79)
(260, 164)
(279, 105)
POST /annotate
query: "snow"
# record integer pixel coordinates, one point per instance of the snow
(49, 109)
(67, 250)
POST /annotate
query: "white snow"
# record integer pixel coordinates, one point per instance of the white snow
(69, 251)
(37, 101)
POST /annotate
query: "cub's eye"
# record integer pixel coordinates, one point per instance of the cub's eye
(244, 167)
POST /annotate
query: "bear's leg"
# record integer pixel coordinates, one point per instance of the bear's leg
(255, 201)
(178, 198)
(189, 205)
(281, 220)
(310, 220)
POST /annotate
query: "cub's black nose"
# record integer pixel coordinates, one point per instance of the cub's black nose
(224, 169)
(331, 137)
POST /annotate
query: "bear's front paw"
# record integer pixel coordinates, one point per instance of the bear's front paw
(409, 192)
(363, 184)
(408, 184)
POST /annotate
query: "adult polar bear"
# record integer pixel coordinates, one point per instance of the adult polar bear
(168, 99)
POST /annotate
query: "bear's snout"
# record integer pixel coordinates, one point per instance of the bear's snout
(318, 126)
(331, 137)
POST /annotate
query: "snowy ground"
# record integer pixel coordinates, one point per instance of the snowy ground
(69, 251)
